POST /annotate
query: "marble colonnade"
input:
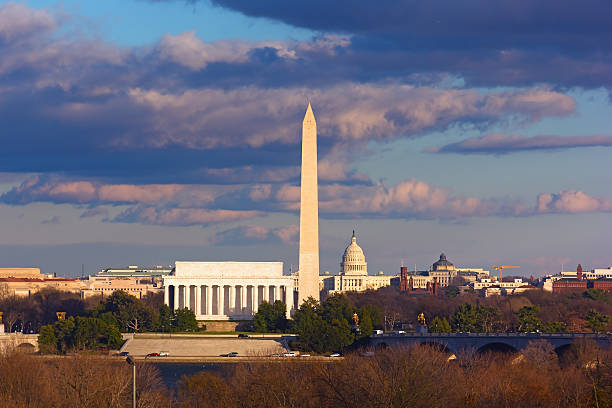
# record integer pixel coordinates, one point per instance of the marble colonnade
(219, 300)
(227, 290)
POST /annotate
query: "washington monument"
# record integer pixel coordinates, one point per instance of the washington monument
(308, 278)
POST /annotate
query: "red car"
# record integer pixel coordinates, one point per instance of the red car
(152, 355)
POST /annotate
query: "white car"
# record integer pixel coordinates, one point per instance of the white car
(335, 355)
(289, 354)
(164, 354)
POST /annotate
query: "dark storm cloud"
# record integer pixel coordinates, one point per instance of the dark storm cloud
(507, 21)
(513, 43)
(499, 143)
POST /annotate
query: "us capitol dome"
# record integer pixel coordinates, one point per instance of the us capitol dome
(353, 276)
(353, 260)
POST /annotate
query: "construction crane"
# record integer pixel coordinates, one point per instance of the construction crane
(500, 268)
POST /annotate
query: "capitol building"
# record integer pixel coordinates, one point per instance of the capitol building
(353, 274)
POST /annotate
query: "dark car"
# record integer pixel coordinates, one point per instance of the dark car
(243, 336)
(124, 353)
(152, 355)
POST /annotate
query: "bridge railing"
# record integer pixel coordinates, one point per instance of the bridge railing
(497, 334)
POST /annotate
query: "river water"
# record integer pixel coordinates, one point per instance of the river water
(171, 373)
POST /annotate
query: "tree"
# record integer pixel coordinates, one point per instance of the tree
(439, 325)
(452, 291)
(47, 341)
(465, 318)
(130, 312)
(271, 317)
(487, 318)
(92, 333)
(365, 322)
(164, 322)
(376, 315)
(80, 333)
(204, 390)
(337, 307)
(596, 321)
(325, 327)
(185, 320)
(337, 335)
(263, 320)
(554, 327)
(13, 310)
(63, 331)
(470, 318)
(596, 294)
(528, 321)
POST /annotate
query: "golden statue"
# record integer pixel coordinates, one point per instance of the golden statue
(61, 315)
(421, 319)
(355, 319)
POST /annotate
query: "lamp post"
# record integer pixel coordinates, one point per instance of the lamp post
(131, 361)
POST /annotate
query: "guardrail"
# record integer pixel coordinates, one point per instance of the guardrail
(495, 334)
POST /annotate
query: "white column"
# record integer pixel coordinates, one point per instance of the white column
(167, 295)
(208, 300)
(277, 293)
(232, 300)
(288, 299)
(198, 300)
(255, 298)
(176, 297)
(243, 300)
(187, 294)
(221, 298)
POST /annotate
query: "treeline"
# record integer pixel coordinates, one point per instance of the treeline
(100, 328)
(412, 377)
(29, 314)
(322, 327)
(488, 319)
(30, 381)
(94, 323)
(417, 376)
(531, 311)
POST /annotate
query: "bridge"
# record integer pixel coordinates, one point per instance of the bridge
(454, 342)
(19, 340)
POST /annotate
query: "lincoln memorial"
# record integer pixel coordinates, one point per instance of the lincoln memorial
(226, 290)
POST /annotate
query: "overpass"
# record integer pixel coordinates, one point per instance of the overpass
(454, 342)
(25, 341)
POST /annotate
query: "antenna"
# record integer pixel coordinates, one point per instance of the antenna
(402, 262)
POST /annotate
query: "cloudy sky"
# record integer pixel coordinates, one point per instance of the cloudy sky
(144, 132)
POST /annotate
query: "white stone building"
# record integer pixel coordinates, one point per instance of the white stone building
(489, 287)
(353, 273)
(443, 272)
(227, 290)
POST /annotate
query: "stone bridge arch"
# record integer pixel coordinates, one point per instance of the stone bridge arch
(19, 341)
(497, 346)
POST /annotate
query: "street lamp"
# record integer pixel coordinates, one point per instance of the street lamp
(132, 361)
